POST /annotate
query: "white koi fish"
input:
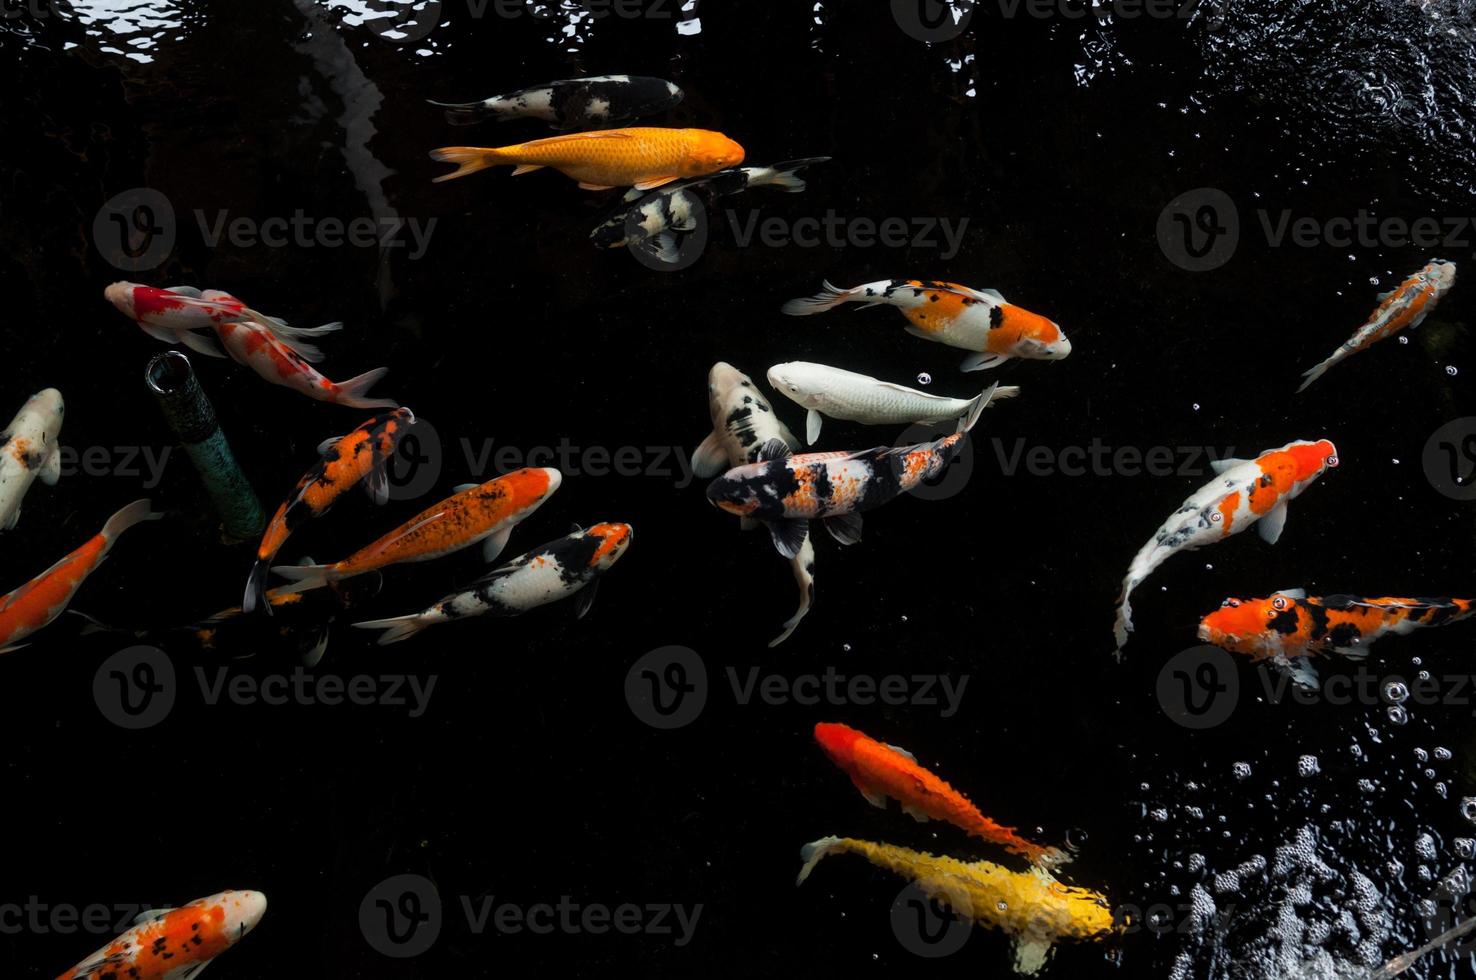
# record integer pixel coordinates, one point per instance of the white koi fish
(742, 422)
(29, 450)
(855, 397)
(1244, 492)
(979, 320)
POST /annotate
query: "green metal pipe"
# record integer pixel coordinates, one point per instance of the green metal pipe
(190, 414)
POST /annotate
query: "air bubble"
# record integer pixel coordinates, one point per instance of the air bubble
(1242, 770)
(1450, 369)
(1397, 714)
(924, 378)
(1468, 808)
(1307, 766)
(1465, 847)
(1395, 692)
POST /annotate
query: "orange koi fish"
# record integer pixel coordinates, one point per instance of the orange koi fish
(1292, 624)
(1243, 492)
(643, 156)
(486, 512)
(254, 344)
(979, 320)
(1399, 308)
(175, 944)
(37, 603)
(345, 461)
(879, 770)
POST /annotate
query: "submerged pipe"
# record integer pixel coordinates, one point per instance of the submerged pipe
(190, 414)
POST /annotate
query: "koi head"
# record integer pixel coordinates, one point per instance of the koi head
(723, 378)
(799, 382)
(120, 294)
(1039, 339)
(233, 913)
(838, 742)
(733, 494)
(1313, 458)
(712, 152)
(614, 539)
(48, 404)
(1251, 626)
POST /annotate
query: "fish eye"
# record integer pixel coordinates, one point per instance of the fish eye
(1332, 461)
(1279, 603)
(794, 388)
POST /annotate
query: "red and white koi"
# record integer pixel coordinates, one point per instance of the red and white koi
(1406, 306)
(254, 344)
(175, 944)
(570, 566)
(743, 421)
(173, 314)
(979, 320)
(41, 600)
(28, 450)
(1244, 492)
(786, 492)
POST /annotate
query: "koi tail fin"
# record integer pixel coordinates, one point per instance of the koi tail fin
(304, 577)
(785, 176)
(135, 513)
(812, 853)
(804, 576)
(468, 160)
(396, 629)
(1124, 624)
(976, 407)
(1312, 374)
(256, 589)
(467, 113)
(353, 392)
(832, 297)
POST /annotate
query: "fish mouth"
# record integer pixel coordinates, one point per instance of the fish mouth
(1204, 634)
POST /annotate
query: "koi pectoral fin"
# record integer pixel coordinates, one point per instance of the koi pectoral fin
(1031, 955)
(874, 797)
(1270, 526)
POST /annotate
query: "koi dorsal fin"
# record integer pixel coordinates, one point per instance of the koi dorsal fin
(901, 751)
(773, 449)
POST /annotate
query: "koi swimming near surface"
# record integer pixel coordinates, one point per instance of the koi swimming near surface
(572, 103)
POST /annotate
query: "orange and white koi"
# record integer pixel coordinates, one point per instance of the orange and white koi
(344, 462)
(254, 344)
(1033, 908)
(643, 156)
(979, 320)
(37, 603)
(879, 771)
(484, 513)
(743, 421)
(1406, 306)
(570, 566)
(1244, 492)
(28, 450)
(175, 944)
(786, 492)
(173, 314)
(1292, 624)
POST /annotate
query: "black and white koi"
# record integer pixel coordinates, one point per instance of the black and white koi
(572, 103)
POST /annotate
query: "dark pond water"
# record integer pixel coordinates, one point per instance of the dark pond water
(1288, 839)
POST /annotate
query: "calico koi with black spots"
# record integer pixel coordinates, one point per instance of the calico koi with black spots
(979, 320)
(1292, 624)
(175, 944)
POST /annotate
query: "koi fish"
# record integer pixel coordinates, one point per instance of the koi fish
(28, 449)
(569, 566)
(174, 314)
(344, 462)
(1406, 306)
(1244, 492)
(1292, 624)
(572, 103)
(855, 397)
(175, 944)
(653, 219)
(252, 343)
(37, 603)
(978, 320)
(786, 492)
(743, 421)
(1032, 907)
(879, 770)
(643, 157)
(484, 513)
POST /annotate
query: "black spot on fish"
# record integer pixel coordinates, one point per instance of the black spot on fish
(996, 317)
(1285, 622)
(1344, 635)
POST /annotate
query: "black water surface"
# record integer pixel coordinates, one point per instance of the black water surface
(529, 778)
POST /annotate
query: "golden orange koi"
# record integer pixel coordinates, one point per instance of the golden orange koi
(642, 156)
